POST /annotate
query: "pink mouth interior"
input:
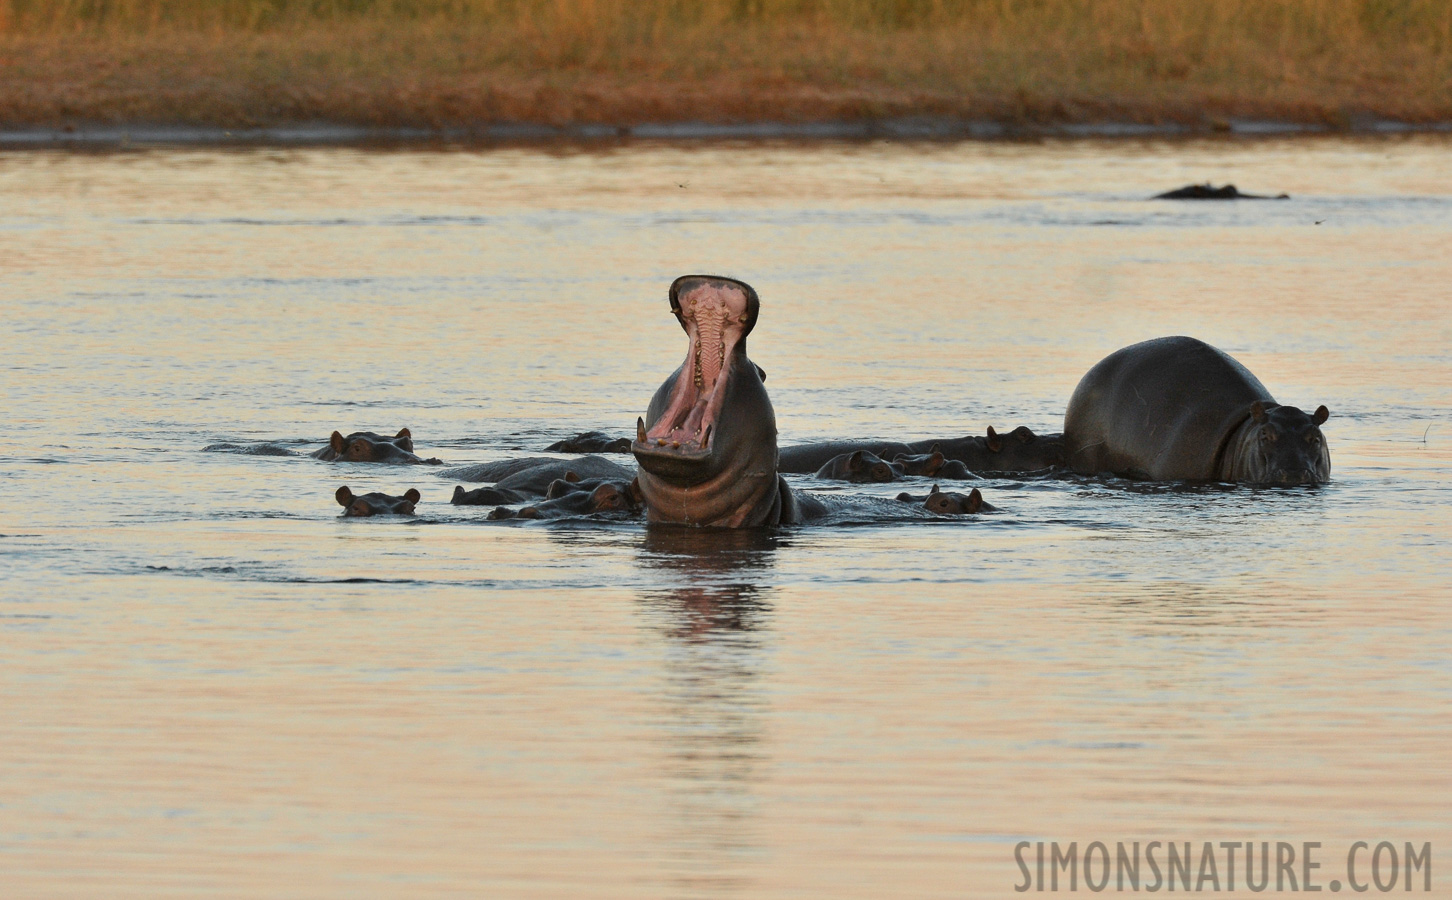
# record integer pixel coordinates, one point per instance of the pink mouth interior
(714, 315)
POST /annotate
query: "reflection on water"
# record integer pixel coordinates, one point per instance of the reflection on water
(717, 620)
(216, 687)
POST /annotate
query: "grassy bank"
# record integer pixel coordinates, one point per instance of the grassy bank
(460, 62)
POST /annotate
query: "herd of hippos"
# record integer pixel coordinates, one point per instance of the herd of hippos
(1169, 409)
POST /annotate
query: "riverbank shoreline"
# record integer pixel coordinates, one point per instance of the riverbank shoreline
(141, 135)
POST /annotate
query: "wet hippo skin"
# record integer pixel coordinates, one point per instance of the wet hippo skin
(375, 504)
(1176, 408)
(949, 503)
(707, 444)
(366, 446)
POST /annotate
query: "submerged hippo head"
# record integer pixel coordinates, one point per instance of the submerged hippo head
(376, 504)
(707, 445)
(366, 446)
(1279, 445)
(575, 498)
(858, 467)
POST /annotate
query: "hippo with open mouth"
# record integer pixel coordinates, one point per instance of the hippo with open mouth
(1175, 408)
(707, 445)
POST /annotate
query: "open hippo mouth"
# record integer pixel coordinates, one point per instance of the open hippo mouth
(717, 314)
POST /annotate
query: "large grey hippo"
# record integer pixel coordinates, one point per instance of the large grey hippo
(707, 445)
(1175, 408)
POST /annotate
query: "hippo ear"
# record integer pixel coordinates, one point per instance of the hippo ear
(412, 495)
(404, 433)
(975, 501)
(995, 443)
(855, 459)
(933, 491)
(571, 476)
(337, 442)
(458, 493)
(344, 496)
(1321, 415)
(934, 448)
(635, 492)
(761, 373)
(1257, 412)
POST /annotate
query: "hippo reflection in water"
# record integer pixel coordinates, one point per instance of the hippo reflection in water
(1176, 408)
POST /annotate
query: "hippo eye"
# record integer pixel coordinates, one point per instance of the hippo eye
(1268, 435)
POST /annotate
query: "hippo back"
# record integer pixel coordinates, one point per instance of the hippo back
(1162, 409)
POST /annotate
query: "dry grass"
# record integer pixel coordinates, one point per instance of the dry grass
(434, 62)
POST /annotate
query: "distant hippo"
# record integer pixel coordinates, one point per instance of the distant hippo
(365, 446)
(1207, 192)
(376, 504)
(485, 496)
(707, 444)
(860, 467)
(1175, 408)
(591, 442)
(603, 497)
(950, 503)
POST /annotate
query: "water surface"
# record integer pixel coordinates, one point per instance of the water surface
(215, 687)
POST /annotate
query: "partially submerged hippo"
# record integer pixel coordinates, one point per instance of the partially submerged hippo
(1207, 192)
(484, 496)
(1175, 408)
(532, 474)
(591, 442)
(376, 504)
(366, 446)
(1020, 450)
(931, 465)
(603, 496)
(535, 480)
(950, 503)
(707, 444)
(860, 467)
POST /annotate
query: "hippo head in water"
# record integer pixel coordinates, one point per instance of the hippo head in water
(1278, 445)
(707, 445)
(366, 446)
(375, 504)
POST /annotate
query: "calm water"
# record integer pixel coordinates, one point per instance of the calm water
(213, 686)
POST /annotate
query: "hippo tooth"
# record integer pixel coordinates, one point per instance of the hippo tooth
(675, 445)
(660, 442)
(640, 431)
